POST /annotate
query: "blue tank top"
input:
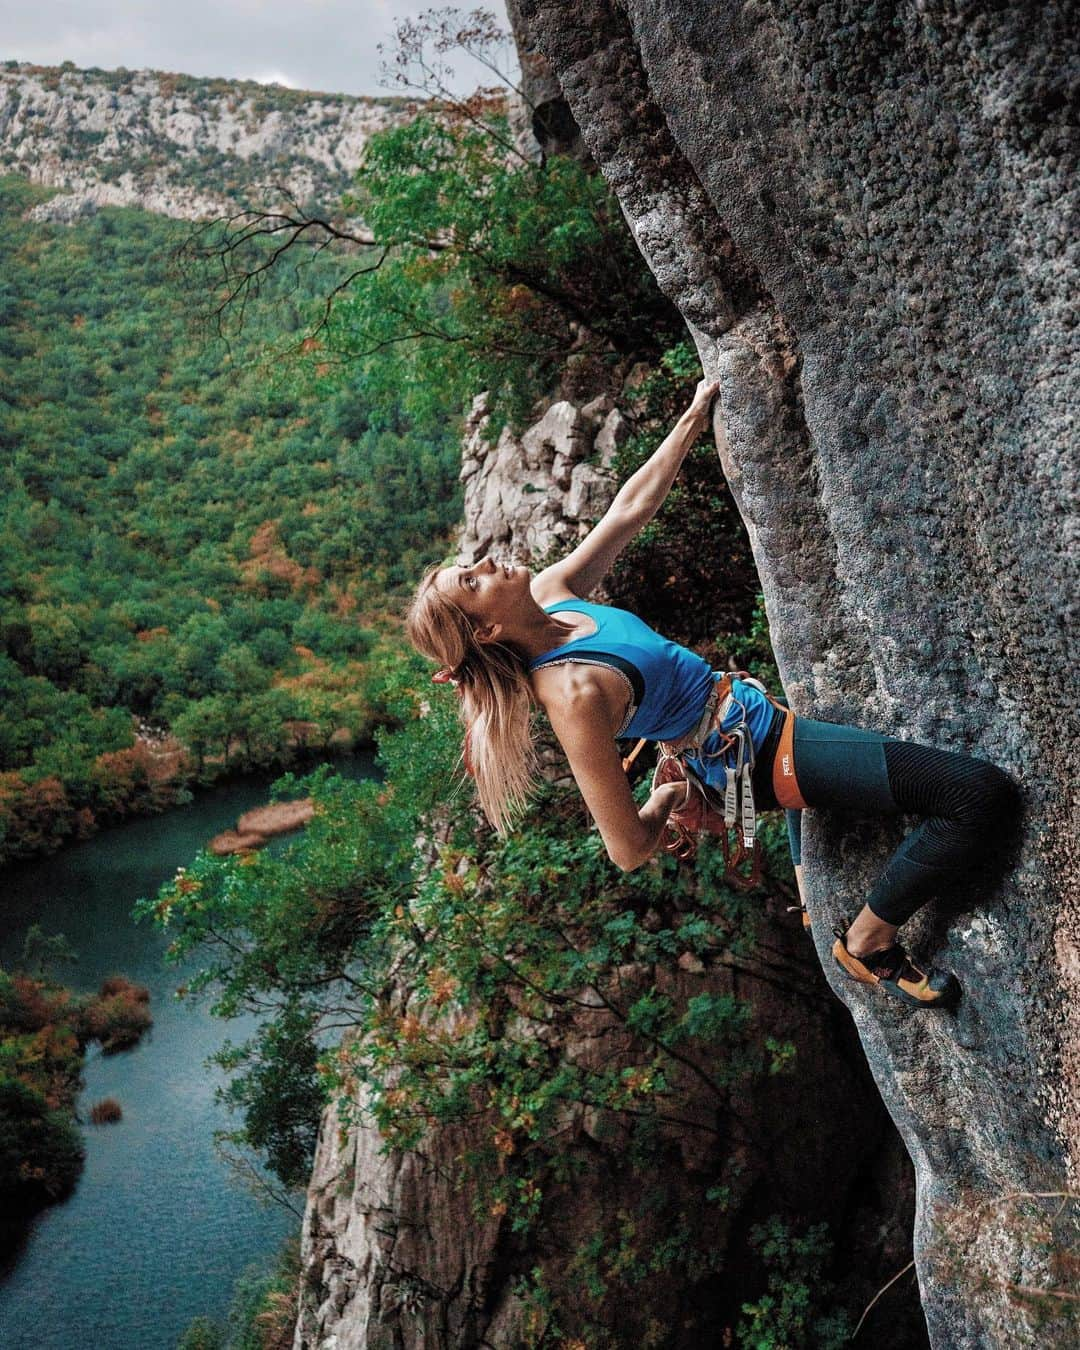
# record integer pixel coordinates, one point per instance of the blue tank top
(669, 683)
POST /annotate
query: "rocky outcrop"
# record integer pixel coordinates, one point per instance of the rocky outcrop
(863, 213)
(531, 496)
(177, 145)
(543, 120)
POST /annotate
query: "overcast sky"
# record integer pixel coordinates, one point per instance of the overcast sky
(328, 45)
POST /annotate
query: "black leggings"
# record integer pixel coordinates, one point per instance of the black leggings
(965, 803)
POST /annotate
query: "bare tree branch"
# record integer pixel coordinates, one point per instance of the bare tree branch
(884, 1289)
(476, 37)
(251, 1175)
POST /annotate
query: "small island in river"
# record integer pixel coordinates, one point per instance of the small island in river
(255, 828)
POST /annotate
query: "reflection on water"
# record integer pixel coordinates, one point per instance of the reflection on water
(157, 1229)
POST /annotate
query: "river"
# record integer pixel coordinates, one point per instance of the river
(158, 1229)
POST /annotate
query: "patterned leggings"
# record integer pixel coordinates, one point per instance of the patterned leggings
(964, 804)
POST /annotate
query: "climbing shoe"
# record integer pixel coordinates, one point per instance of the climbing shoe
(895, 972)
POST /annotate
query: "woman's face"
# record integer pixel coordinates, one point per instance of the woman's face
(487, 591)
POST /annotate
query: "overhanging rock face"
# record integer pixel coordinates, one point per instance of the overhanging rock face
(866, 213)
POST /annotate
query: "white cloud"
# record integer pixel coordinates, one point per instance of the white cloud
(270, 77)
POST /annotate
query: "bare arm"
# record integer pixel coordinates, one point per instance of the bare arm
(635, 504)
(584, 709)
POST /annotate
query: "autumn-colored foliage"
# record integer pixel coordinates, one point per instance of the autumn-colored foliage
(34, 817)
(40, 816)
(269, 561)
(118, 1016)
(106, 1112)
(44, 1029)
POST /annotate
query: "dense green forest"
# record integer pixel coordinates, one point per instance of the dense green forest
(189, 537)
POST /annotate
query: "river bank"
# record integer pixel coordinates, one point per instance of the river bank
(154, 775)
(158, 1228)
(45, 1031)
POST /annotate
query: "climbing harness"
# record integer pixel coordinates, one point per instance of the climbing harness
(732, 814)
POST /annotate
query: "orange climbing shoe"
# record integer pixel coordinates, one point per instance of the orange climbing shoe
(895, 972)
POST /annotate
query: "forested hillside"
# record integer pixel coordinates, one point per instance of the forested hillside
(187, 538)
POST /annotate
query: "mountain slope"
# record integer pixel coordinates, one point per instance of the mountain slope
(176, 144)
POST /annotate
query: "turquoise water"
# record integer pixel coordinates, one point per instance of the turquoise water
(158, 1229)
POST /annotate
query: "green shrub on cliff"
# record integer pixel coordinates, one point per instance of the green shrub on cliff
(794, 1312)
(491, 272)
(262, 1313)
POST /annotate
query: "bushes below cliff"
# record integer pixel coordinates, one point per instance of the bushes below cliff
(44, 1029)
(262, 1313)
(581, 1028)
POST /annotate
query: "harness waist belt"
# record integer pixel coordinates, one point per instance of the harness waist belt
(785, 784)
(716, 709)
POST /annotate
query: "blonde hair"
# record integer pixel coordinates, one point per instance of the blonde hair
(495, 700)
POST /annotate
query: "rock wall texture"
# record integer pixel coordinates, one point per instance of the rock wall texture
(394, 1257)
(531, 497)
(174, 144)
(866, 213)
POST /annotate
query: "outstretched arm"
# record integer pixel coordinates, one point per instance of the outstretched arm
(635, 504)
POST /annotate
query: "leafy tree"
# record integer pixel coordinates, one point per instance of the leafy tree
(41, 950)
(275, 1085)
(207, 727)
(478, 268)
(490, 270)
(793, 1314)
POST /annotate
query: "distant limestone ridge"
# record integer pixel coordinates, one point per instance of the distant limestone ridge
(178, 145)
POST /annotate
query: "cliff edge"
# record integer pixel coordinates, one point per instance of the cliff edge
(862, 212)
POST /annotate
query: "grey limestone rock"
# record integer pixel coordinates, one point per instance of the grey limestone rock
(866, 213)
(530, 496)
(539, 112)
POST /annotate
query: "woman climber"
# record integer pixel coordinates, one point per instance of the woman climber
(508, 639)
